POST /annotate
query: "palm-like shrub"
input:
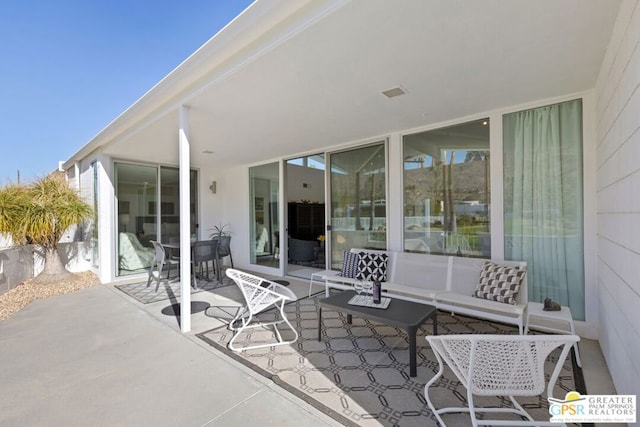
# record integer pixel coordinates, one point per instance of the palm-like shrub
(12, 204)
(39, 214)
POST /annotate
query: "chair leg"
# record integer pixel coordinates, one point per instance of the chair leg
(158, 280)
(206, 270)
(150, 274)
(218, 270)
(159, 271)
(246, 324)
(432, 381)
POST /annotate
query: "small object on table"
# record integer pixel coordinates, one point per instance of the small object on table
(362, 288)
(377, 292)
(368, 301)
(550, 305)
(554, 321)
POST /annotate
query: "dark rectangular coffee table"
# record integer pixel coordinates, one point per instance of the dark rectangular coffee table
(406, 315)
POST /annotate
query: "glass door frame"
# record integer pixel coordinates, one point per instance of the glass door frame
(328, 189)
(195, 216)
(284, 210)
(267, 198)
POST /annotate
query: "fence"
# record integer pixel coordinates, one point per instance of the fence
(16, 266)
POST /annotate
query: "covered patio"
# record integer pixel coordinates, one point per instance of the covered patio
(359, 373)
(289, 80)
(112, 358)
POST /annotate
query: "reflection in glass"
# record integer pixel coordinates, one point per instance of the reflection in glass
(306, 224)
(264, 182)
(446, 190)
(136, 186)
(170, 204)
(358, 200)
(140, 218)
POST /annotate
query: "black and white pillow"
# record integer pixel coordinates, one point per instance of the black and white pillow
(350, 261)
(499, 283)
(372, 267)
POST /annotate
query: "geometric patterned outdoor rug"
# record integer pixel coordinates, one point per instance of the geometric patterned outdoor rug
(168, 290)
(359, 373)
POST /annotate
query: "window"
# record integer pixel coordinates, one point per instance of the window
(447, 190)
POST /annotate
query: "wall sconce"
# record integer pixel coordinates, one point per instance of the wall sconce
(212, 187)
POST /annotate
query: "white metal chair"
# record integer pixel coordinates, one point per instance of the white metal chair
(160, 259)
(260, 295)
(498, 365)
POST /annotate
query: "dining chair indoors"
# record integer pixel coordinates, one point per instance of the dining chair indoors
(224, 248)
(204, 251)
(159, 261)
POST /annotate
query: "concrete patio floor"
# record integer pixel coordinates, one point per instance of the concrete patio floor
(99, 356)
(94, 357)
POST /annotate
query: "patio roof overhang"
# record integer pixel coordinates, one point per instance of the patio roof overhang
(286, 78)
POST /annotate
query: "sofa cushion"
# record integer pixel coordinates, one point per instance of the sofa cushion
(499, 283)
(350, 263)
(372, 266)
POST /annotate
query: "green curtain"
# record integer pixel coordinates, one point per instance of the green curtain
(543, 200)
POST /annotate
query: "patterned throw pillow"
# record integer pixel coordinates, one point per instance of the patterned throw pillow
(372, 267)
(499, 283)
(350, 262)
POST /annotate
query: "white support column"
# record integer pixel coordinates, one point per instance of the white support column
(395, 194)
(185, 231)
(497, 178)
(107, 232)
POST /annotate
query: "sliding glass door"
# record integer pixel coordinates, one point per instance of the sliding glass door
(148, 200)
(264, 230)
(306, 224)
(358, 200)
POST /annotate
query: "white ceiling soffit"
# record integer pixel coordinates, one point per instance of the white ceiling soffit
(322, 84)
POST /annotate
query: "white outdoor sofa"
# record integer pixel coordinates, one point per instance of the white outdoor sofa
(446, 282)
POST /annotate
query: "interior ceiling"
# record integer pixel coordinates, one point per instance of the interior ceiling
(323, 86)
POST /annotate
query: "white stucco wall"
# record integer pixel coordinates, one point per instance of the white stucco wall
(212, 207)
(618, 200)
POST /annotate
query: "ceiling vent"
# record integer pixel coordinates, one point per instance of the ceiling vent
(392, 93)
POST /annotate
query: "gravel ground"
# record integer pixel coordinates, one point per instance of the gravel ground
(15, 299)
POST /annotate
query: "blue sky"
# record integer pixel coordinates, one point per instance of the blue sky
(68, 68)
